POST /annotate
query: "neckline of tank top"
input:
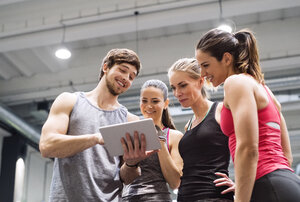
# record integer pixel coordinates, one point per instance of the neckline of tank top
(203, 117)
(98, 108)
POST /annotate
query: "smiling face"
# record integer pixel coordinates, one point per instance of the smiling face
(152, 103)
(213, 70)
(119, 77)
(185, 88)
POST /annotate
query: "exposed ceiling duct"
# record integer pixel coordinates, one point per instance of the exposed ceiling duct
(12, 123)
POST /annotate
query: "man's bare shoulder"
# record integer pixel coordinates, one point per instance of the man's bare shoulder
(65, 101)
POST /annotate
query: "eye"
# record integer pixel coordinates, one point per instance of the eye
(144, 101)
(205, 66)
(173, 88)
(132, 76)
(122, 70)
(183, 85)
(155, 101)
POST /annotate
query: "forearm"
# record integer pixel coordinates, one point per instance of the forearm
(285, 141)
(128, 174)
(245, 172)
(169, 169)
(61, 146)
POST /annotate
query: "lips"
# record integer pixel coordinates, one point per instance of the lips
(149, 112)
(209, 78)
(121, 83)
(182, 100)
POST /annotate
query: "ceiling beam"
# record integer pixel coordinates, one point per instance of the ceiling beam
(19, 63)
(151, 17)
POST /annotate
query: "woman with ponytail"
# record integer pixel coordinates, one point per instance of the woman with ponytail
(162, 168)
(251, 118)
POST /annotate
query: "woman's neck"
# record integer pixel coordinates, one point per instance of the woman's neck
(201, 107)
(159, 123)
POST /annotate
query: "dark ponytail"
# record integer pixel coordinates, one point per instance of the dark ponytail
(241, 45)
(247, 58)
(167, 120)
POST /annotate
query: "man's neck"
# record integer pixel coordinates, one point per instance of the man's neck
(102, 98)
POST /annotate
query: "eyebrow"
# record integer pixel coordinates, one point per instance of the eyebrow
(123, 65)
(172, 86)
(203, 63)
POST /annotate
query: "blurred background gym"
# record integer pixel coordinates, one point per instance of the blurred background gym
(160, 31)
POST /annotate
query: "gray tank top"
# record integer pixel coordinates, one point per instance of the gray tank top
(151, 186)
(91, 175)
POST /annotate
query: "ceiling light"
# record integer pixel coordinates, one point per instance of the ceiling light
(63, 53)
(225, 27)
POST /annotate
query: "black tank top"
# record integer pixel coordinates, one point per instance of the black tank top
(204, 150)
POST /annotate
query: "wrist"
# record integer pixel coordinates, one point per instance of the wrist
(98, 139)
(132, 166)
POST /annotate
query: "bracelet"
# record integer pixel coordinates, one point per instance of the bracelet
(132, 166)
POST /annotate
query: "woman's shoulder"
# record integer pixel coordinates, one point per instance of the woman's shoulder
(239, 78)
(174, 132)
(238, 82)
(175, 136)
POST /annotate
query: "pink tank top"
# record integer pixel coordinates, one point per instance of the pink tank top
(271, 156)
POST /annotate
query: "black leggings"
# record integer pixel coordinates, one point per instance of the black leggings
(278, 186)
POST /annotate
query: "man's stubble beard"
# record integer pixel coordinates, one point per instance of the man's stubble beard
(111, 89)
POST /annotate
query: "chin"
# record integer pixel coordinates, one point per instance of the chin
(216, 84)
(184, 105)
(147, 116)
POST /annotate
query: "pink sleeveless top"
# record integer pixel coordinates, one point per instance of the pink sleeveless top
(271, 156)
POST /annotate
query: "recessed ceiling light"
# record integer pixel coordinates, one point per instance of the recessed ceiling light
(63, 53)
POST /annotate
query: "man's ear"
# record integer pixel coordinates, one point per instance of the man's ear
(105, 68)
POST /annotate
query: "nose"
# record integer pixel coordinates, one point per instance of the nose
(176, 93)
(126, 80)
(149, 106)
(203, 72)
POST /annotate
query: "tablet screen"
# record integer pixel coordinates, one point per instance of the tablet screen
(112, 135)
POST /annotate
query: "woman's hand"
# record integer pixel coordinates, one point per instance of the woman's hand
(135, 150)
(224, 181)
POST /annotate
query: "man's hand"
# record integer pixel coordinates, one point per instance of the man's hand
(224, 181)
(135, 151)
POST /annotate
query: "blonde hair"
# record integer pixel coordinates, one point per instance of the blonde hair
(191, 67)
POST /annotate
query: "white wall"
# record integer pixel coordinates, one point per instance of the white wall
(38, 174)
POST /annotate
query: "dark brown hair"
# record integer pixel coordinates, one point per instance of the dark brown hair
(241, 45)
(118, 56)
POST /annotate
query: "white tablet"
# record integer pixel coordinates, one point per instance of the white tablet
(112, 135)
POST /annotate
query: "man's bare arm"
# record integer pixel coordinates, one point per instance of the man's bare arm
(54, 142)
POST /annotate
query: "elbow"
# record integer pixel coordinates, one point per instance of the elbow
(175, 185)
(45, 153)
(249, 151)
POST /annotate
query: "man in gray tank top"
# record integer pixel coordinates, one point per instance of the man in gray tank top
(83, 170)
